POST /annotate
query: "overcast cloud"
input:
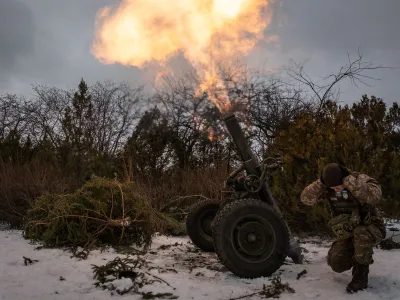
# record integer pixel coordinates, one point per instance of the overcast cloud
(48, 42)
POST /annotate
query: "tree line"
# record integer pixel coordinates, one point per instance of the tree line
(173, 142)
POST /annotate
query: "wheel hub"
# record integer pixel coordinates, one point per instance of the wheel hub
(251, 238)
(254, 239)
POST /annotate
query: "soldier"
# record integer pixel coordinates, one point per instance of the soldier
(355, 220)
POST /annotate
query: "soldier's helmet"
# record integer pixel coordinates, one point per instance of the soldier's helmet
(332, 175)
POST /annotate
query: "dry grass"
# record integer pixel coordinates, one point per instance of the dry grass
(207, 182)
(20, 185)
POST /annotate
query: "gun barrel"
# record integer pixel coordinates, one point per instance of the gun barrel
(236, 132)
(250, 161)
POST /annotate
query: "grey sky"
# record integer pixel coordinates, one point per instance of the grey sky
(48, 42)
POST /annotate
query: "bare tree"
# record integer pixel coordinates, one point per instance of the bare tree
(354, 71)
(48, 110)
(13, 117)
(264, 103)
(189, 116)
(117, 108)
(273, 107)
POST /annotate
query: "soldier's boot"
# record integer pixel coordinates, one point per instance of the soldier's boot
(360, 278)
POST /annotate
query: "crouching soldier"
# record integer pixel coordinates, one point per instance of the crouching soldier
(355, 220)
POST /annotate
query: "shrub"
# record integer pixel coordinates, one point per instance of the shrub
(100, 212)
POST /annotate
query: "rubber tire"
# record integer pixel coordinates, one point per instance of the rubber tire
(193, 224)
(223, 226)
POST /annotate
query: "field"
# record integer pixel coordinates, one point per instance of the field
(175, 269)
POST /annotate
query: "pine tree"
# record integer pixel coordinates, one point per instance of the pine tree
(77, 147)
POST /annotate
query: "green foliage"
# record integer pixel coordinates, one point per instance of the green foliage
(100, 212)
(355, 137)
(148, 144)
(133, 268)
(77, 151)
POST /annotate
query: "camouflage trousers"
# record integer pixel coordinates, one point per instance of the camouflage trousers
(359, 248)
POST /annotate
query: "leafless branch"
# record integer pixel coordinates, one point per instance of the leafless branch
(354, 71)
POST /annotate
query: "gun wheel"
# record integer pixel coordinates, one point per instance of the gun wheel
(198, 223)
(251, 239)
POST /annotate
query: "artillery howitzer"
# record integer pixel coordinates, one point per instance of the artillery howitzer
(246, 230)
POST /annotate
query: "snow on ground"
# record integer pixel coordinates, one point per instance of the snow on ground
(191, 274)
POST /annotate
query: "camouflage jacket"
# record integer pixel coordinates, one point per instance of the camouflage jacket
(365, 194)
(364, 188)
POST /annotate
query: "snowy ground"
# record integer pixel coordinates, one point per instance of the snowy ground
(190, 274)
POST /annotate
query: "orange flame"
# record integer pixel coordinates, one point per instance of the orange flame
(141, 32)
(211, 134)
